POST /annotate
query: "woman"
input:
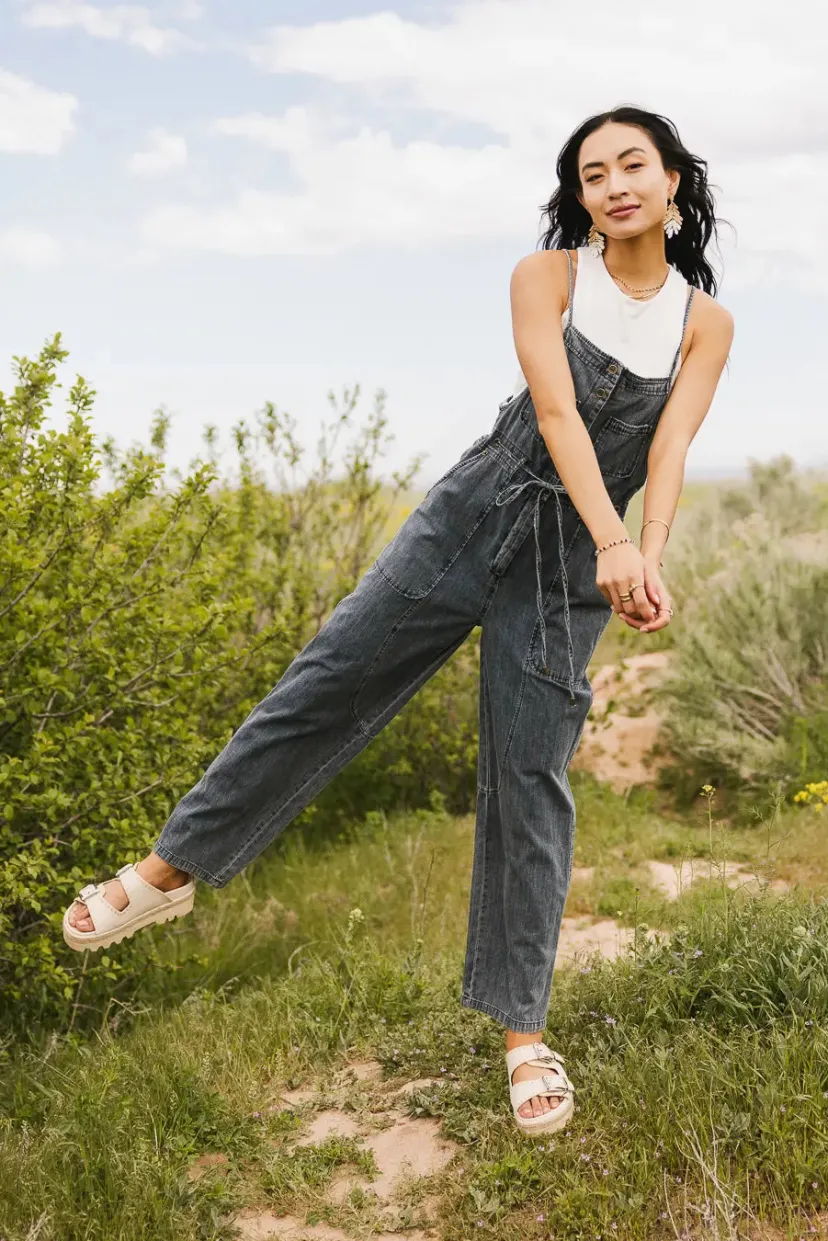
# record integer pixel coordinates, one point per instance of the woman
(613, 316)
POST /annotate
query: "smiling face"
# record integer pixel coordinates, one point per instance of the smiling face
(620, 165)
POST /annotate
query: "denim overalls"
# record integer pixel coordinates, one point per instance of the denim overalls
(462, 558)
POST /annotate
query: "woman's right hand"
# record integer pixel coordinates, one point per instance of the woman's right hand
(620, 568)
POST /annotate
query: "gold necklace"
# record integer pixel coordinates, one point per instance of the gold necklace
(654, 289)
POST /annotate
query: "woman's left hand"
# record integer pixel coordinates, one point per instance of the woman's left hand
(659, 597)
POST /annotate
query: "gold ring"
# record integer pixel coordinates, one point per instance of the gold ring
(625, 598)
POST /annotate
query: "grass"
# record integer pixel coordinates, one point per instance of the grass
(700, 1058)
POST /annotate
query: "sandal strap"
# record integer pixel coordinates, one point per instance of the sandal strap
(142, 898)
(553, 1082)
(535, 1053)
(540, 1086)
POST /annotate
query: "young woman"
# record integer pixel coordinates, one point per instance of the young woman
(621, 346)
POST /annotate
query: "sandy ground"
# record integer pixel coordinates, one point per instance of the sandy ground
(405, 1149)
(622, 726)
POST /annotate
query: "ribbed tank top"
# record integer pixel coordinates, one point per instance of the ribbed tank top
(641, 335)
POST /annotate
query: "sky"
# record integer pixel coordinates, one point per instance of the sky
(223, 205)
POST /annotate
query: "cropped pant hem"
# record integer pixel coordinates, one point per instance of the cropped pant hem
(192, 868)
(519, 1027)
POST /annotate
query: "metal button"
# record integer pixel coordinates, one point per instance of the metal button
(612, 368)
(602, 392)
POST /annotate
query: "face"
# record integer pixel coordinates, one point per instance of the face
(619, 165)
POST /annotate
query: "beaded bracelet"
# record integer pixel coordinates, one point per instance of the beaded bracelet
(615, 542)
(612, 544)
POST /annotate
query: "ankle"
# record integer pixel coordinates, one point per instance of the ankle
(160, 873)
(513, 1039)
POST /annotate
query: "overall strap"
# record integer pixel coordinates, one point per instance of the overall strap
(571, 292)
(692, 290)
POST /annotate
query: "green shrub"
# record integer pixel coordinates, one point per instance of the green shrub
(140, 622)
(747, 699)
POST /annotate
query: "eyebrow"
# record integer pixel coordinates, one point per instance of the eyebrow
(598, 163)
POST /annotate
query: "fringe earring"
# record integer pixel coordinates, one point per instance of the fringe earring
(672, 219)
(595, 241)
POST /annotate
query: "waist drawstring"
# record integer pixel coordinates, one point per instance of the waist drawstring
(505, 496)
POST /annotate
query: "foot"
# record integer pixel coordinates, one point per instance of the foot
(538, 1104)
(152, 868)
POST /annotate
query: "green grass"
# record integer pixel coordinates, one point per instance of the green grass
(700, 1058)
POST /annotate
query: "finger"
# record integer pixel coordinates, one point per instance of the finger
(661, 621)
(629, 606)
(612, 591)
(631, 621)
(642, 603)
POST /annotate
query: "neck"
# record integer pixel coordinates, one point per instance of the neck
(638, 260)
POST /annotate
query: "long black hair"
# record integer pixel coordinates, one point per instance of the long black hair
(569, 222)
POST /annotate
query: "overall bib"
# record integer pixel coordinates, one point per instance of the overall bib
(462, 558)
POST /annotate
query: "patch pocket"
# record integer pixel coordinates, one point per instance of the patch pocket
(478, 448)
(437, 530)
(620, 446)
(589, 614)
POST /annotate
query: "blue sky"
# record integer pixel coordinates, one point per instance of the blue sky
(222, 205)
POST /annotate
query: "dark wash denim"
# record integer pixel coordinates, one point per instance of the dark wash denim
(462, 558)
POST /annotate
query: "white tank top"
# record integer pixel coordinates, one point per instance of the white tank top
(641, 335)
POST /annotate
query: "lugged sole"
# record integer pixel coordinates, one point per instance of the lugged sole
(90, 943)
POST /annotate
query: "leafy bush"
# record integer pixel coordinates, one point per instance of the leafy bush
(140, 622)
(747, 702)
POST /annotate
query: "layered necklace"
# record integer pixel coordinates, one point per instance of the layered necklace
(633, 292)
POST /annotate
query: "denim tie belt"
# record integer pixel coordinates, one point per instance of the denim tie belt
(505, 496)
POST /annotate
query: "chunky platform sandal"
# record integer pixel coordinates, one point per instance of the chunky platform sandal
(147, 905)
(553, 1082)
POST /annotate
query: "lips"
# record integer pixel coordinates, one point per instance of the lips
(624, 211)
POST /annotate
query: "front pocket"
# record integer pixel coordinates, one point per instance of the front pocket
(620, 447)
(437, 530)
(589, 613)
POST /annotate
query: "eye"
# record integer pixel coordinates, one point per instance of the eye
(629, 166)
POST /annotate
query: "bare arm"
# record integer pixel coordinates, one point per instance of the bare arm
(683, 414)
(538, 290)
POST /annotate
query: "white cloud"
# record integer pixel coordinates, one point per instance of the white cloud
(165, 151)
(32, 118)
(189, 10)
(750, 99)
(127, 23)
(28, 247)
(361, 188)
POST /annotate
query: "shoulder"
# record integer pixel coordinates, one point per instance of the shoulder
(711, 324)
(546, 271)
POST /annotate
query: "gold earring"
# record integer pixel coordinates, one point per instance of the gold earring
(595, 241)
(672, 219)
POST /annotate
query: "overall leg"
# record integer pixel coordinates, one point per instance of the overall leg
(368, 659)
(412, 609)
(525, 830)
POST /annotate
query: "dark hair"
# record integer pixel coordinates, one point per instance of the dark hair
(569, 222)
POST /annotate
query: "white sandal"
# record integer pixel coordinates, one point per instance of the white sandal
(553, 1082)
(147, 905)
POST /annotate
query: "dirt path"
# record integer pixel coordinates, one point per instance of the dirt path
(623, 726)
